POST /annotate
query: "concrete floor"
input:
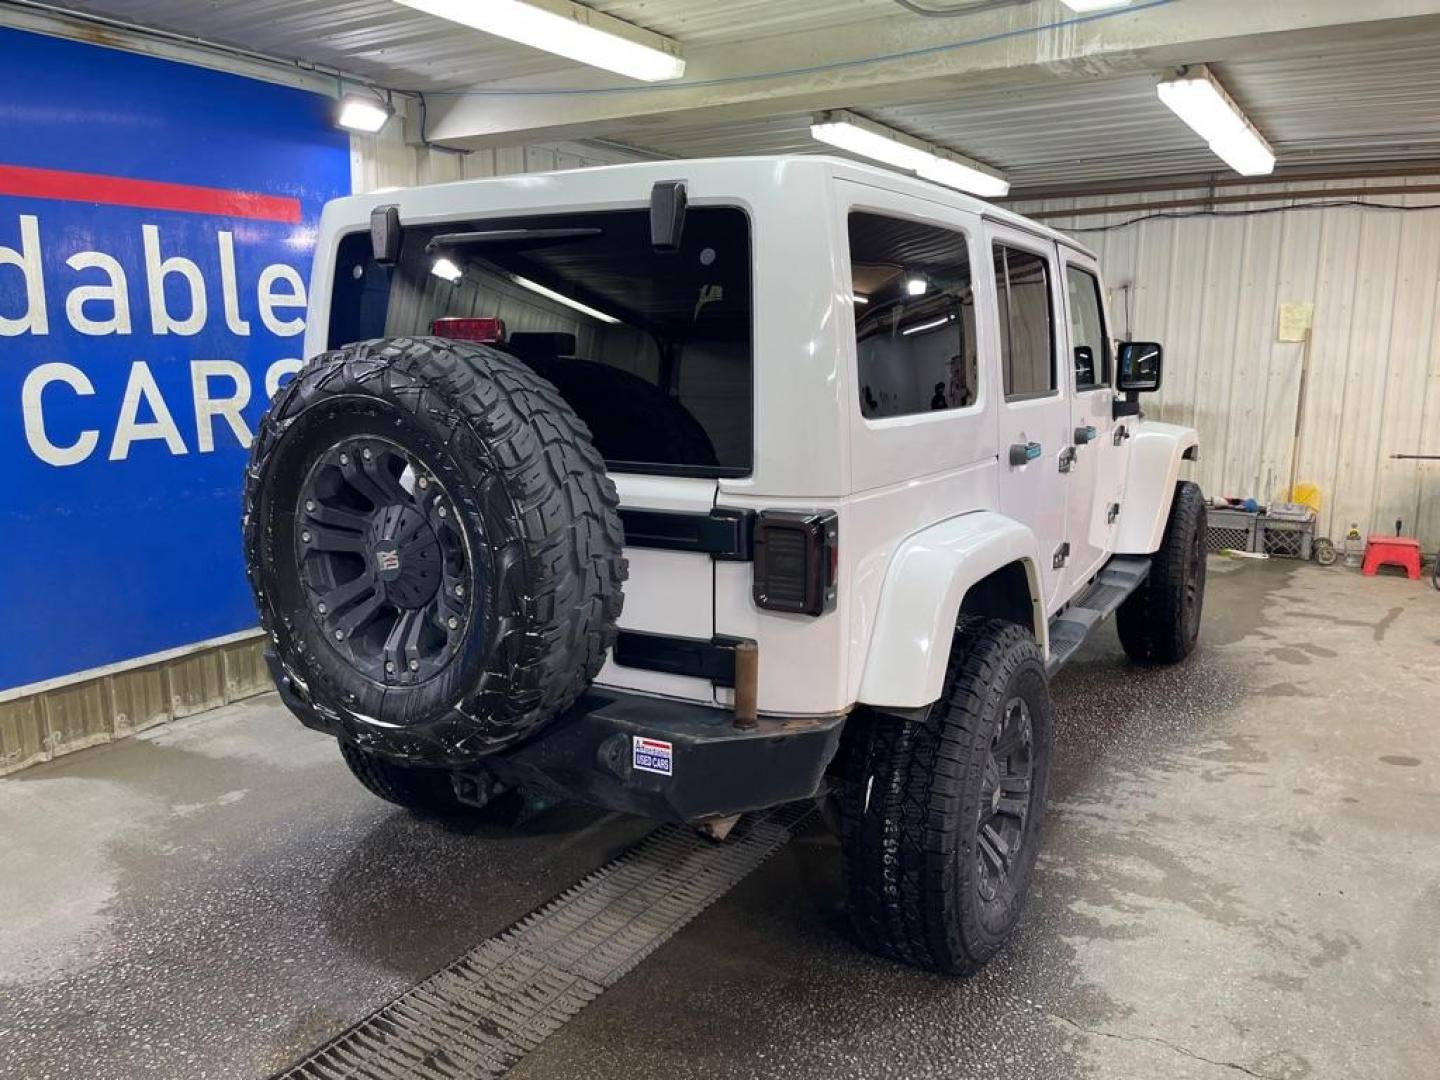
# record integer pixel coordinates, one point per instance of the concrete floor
(1241, 873)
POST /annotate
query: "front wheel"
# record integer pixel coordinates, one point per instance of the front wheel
(1160, 622)
(941, 816)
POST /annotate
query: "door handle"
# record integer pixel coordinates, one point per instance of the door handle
(1085, 434)
(1024, 453)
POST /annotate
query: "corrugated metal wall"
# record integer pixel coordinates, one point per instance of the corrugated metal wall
(386, 160)
(1209, 288)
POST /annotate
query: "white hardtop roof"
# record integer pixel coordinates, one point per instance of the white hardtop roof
(678, 169)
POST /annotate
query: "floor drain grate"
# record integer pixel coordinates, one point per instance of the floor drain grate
(483, 1013)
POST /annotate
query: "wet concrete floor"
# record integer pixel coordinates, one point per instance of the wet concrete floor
(1241, 874)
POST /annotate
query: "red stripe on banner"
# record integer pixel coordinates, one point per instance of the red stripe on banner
(146, 194)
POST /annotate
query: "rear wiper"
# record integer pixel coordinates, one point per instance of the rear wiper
(506, 236)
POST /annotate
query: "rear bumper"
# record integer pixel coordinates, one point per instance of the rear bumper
(649, 756)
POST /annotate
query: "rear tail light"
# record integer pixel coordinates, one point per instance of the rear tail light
(796, 557)
(490, 331)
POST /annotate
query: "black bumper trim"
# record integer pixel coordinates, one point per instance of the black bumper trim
(717, 769)
(587, 755)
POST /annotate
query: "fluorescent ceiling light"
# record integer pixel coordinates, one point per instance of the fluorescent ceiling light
(859, 299)
(916, 286)
(866, 138)
(358, 112)
(867, 143)
(959, 175)
(560, 298)
(922, 327)
(1199, 99)
(1094, 5)
(568, 30)
(444, 268)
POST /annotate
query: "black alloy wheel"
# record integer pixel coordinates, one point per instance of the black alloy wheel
(434, 549)
(1195, 583)
(1005, 805)
(383, 561)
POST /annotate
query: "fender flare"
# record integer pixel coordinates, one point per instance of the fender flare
(1156, 453)
(925, 583)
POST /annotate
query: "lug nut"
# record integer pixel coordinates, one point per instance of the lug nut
(310, 504)
(305, 536)
(321, 608)
(440, 510)
(424, 483)
(344, 459)
(459, 590)
(414, 665)
(339, 635)
(389, 667)
(365, 453)
(453, 623)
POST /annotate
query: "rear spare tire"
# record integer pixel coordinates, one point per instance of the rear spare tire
(433, 546)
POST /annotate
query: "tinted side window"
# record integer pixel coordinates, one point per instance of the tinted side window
(1090, 345)
(914, 317)
(1027, 349)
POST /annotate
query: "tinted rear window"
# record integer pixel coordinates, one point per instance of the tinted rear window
(652, 350)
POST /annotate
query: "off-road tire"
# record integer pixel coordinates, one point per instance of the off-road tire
(916, 794)
(1160, 622)
(427, 791)
(534, 514)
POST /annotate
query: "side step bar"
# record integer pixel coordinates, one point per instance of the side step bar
(1068, 630)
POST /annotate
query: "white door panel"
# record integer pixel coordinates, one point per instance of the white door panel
(1097, 476)
(668, 592)
(1034, 406)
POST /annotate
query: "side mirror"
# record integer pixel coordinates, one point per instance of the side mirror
(1140, 364)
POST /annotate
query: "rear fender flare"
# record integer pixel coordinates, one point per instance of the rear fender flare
(920, 600)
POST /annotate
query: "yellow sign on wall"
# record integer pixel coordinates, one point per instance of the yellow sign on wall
(1295, 320)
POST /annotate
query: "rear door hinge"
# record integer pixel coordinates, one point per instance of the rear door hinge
(1121, 434)
(1067, 458)
(1112, 514)
(1062, 555)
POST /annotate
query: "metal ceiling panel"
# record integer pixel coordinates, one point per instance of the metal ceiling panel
(1370, 100)
(1347, 98)
(379, 40)
(706, 22)
(402, 48)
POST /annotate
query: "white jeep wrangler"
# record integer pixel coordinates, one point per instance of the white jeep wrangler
(848, 446)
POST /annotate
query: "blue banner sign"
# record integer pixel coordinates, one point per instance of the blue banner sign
(156, 226)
